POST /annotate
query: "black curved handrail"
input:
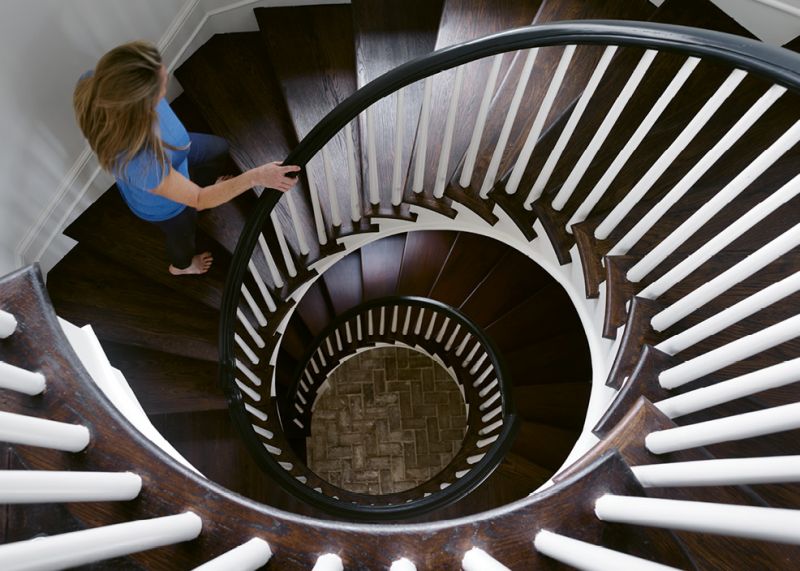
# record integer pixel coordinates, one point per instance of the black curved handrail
(498, 364)
(779, 65)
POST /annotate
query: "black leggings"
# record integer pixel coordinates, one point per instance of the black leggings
(208, 159)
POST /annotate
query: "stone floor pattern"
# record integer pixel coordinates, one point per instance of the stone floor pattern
(391, 420)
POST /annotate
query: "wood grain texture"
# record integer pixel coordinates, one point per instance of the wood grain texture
(314, 80)
(126, 307)
(380, 266)
(389, 33)
(109, 229)
(424, 256)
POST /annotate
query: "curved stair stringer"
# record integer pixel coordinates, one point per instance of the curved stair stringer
(540, 251)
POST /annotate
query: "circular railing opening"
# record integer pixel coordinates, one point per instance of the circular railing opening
(386, 420)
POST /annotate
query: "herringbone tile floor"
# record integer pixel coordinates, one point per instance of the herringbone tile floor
(391, 420)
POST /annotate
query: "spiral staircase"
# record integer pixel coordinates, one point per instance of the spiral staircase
(610, 201)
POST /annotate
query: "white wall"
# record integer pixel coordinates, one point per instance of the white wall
(44, 46)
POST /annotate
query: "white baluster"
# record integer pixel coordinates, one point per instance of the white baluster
(21, 380)
(431, 325)
(490, 178)
(284, 247)
(602, 132)
(328, 562)
(403, 565)
(262, 287)
(491, 428)
(730, 353)
(339, 345)
(8, 324)
(442, 330)
(252, 377)
(358, 327)
(488, 388)
(399, 132)
(422, 137)
(453, 337)
(770, 524)
(733, 314)
(723, 238)
(382, 321)
(245, 348)
(262, 321)
(247, 557)
(261, 415)
(319, 221)
(253, 395)
(38, 487)
(478, 364)
(730, 277)
(720, 472)
(330, 183)
(736, 427)
(447, 140)
(273, 268)
(538, 123)
(471, 354)
(355, 199)
(589, 557)
(321, 356)
(478, 560)
(100, 543)
(679, 144)
(480, 122)
(329, 346)
(633, 143)
(395, 312)
(348, 334)
(574, 118)
(418, 326)
(463, 344)
(29, 431)
(259, 341)
(487, 404)
(691, 225)
(483, 376)
(407, 321)
(738, 387)
(298, 228)
(372, 159)
(369, 323)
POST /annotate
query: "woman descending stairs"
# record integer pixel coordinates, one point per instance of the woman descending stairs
(656, 187)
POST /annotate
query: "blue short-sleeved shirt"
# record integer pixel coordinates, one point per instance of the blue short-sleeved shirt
(143, 173)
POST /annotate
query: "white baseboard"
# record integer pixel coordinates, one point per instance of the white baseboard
(85, 182)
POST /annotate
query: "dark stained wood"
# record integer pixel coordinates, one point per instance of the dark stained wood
(560, 404)
(380, 266)
(558, 358)
(108, 228)
(343, 283)
(165, 383)
(464, 20)
(539, 317)
(126, 307)
(593, 271)
(637, 334)
(315, 309)
(389, 33)
(643, 382)
(545, 445)
(314, 80)
(231, 81)
(470, 258)
(618, 292)
(424, 256)
(515, 278)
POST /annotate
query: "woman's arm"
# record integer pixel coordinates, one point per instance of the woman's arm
(178, 188)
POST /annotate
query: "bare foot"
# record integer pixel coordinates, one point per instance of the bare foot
(200, 265)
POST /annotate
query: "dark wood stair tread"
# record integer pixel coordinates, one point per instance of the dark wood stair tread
(166, 383)
(126, 307)
(110, 229)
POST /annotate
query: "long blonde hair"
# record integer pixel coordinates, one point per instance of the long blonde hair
(116, 106)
